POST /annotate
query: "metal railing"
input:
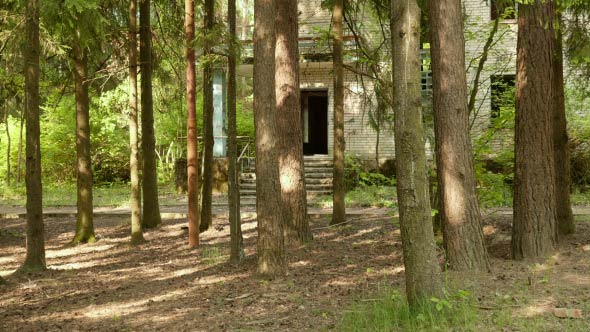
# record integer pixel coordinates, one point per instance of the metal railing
(246, 156)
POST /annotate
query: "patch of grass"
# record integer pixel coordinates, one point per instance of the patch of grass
(390, 312)
(212, 255)
(365, 196)
(12, 233)
(64, 194)
(580, 198)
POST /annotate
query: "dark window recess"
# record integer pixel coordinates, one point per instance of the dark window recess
(505, 9)
(503, 89)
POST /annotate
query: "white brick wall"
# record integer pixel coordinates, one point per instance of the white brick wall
(360, 138)
(502, 56)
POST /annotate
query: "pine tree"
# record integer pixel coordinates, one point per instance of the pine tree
(271, 245)
(423, 278)
(290, 145)
(151, 205)
(35, 258)
(135, 199)
(461, 218)
(235, 222)
(84, 223)
(339, 189)
(192, 146)
(208, 139)
(534, 232)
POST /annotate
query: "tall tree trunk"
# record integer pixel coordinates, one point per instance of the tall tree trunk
(290, 139)
(461, 218)
(20, 148)
(135, 199)
(565, 216)
(192, 150)
(339, 188)
(35, 259)
(233, 199)
(271, 244)
(423, 278)
(151, 205)
(208, 139)
(84, 223)
(8, 142)
(534, 232)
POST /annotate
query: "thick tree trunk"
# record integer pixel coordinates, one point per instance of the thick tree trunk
(534, 233)
(235, 222)
(151, 205)
(35, 258)
(135, 198)
(339, 188)
(208, 139)
(84, 223)
(565, 216)
(423, 278)
(290, 139)
(461, 218)
(271, 246)
(192, 150)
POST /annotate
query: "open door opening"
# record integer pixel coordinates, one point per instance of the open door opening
(314, 117)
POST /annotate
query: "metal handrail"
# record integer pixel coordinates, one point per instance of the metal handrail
(245, 157)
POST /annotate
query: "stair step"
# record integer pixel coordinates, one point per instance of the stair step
(308, 187)
(318, 177)
(308, 180)
(252, 193)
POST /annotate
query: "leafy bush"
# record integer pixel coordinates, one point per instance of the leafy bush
(356, 174)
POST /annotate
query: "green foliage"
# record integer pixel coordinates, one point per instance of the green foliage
(355, 174)
(494, 149)
(213, 255)
(577, 111)
(372, 196)
(390, 312)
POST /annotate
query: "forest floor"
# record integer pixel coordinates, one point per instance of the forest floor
(163, 286)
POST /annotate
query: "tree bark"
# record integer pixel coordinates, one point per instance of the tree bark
(135, 198)
(35, 258)
(290, 139)
(271, 246)
(339, 188)
(192, 150)
(84, 222)
(423, 278)
(461, 218)
(235, 222)
(208, 139)
(565, 216)
(534, 233)
(151, 206)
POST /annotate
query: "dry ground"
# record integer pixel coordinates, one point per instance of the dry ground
(163, 286)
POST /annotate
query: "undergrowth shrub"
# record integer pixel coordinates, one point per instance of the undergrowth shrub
(356, 173)
(389, 312)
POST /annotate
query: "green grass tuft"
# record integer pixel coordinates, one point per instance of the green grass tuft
(389, 312)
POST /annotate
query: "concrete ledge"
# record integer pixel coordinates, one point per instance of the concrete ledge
(167, 215)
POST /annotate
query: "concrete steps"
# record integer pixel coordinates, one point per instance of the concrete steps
(318, 178)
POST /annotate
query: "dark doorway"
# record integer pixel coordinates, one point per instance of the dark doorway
(314, 116)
